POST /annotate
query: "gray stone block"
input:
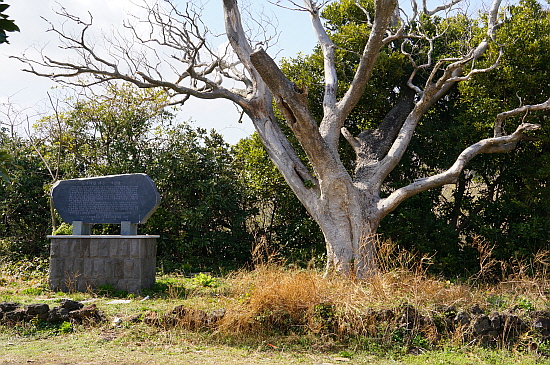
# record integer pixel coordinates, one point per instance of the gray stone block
(97, 271)
(118, 268)
(129, 269)
(135, 249)
(64, 248)
(127, 263)
(88, 268)
(94, 248)
(103, 247)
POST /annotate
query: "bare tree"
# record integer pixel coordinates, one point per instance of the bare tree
(347, 208)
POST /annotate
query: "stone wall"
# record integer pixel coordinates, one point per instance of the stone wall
(79, 263)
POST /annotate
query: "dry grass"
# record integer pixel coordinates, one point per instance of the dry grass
(275, 298)
(401, 299)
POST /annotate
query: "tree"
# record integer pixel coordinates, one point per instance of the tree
(24, 201)
(281, 227)
(6, 25)
(348, 206)
(128, 130)
(441, 222)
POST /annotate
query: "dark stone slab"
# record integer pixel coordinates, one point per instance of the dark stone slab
(106, 199)
(40, 308)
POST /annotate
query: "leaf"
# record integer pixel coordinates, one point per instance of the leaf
(8, 25)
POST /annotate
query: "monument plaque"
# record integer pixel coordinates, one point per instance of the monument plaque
(107, 199)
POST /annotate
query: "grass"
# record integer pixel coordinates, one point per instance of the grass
(280, 315)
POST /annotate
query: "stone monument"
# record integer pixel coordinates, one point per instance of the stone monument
(126, 261)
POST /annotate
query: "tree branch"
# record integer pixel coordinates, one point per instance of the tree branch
(524, 109)
(181, 32)
(433, 90)
(489, 145)
(292, 102)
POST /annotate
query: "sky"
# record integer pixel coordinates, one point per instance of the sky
(25, 97)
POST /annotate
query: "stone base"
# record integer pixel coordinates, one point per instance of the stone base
(80, 263)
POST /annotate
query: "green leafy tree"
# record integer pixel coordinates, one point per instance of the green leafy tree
(203, 213)
(202, 216)
(6, 25)
(25, 219)
(281, 227)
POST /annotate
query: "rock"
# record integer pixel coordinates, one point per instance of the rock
(215, 316)
(34, 309)
(541, 323)
(496, 321)
(87, 312)
(487, 340)
(482, 325)
(409, 317)
(476, 310)
(384, 315)
(462, 319)
(9, 306)
(151, 318)
(70, 305)
(17, 315)
(187, 317)
(513, 325)
(58, 314)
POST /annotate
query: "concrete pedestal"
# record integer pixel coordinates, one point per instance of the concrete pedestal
(78, 263)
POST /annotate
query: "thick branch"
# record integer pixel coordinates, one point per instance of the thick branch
(333, 121)
(328, 47)
(293, 104)
(237, 36)
(490, 145)
(373, 144)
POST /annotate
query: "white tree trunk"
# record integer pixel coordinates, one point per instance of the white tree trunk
(350, 236)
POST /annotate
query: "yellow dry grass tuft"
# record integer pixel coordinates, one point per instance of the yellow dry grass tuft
(282, 300)
(398, 301)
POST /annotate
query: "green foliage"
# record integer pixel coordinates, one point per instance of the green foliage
(6, 25)
(64, 229)
(24, 202)
(5, 161)
(32, 291)
(25, 269)
(108, 290)
(500, 197)
(203, 212)
(207, 228)
(205, 281)
(37, 328)
(65, 327)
